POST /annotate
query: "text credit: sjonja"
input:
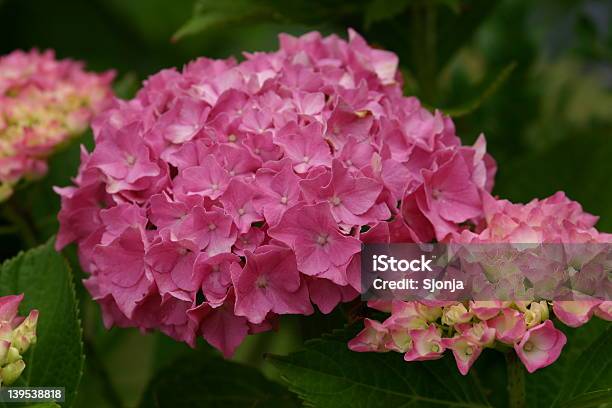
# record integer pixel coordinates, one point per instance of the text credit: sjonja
(384, 263)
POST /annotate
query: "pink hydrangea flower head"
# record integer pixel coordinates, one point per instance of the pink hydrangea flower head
(43, 103)
(227, 194)
(449, 200)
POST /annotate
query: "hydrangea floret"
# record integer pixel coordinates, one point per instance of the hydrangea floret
(43, 103)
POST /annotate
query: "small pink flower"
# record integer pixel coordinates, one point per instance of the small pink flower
(220, 326)
(184, 120)
(212, 232)
(478, 333)
(604, 310)
(305, 147)
(371, 338)
(383, 62)
(456, 313)
(509, 326)
(319, 247)
(172, 264)
(214, 273)
(249, 241)
(426, 344)
(399, 338)
(450, 191)
(349, 197)
(465, 350)
(575, 313)
(485, 310)
(9, 306)
(124, 275)
(277, 192)
(540, 346)
(126, 161)
(238, 201)
(208, 180)
(269, 282)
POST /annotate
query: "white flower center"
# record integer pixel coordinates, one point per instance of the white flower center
(261, 282)
(322, 239)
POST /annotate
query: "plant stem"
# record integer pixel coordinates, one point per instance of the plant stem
(516, 381)
(424, 57)
(97, 365)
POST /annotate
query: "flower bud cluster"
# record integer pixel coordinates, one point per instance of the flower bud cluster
(423, 331)
(17, 334)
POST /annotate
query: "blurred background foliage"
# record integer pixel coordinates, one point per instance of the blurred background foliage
(534, 77)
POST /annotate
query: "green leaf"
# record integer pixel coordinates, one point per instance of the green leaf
(590, 373)
(595, 399)
(211, 13)
(489, 89)
(208, 381)
(380, 10)
(454, 29)
(325, 373)
(545, 385)
(127, 86)
(56, 360)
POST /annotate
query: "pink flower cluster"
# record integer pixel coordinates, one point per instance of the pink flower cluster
(227, 194)
(43, 102)
(423, 331)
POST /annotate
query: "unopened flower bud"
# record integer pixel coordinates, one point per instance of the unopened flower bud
(5, 345)
(456, 314)
(536, 314)
(10, 372)
(16, 336)
(25, 334)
